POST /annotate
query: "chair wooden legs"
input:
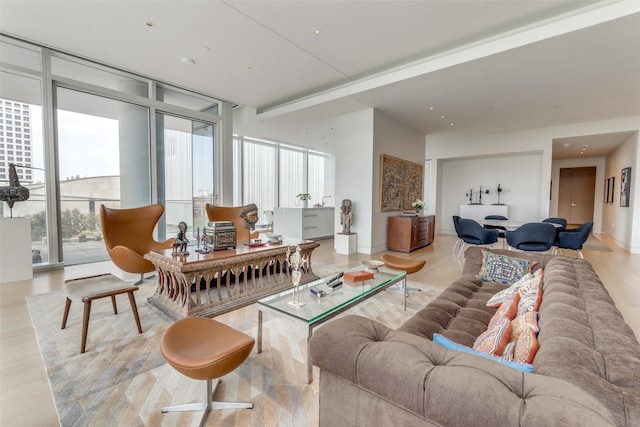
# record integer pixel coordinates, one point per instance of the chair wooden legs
(85, 325)
(134, 309)
(87, 314)
(67, 306)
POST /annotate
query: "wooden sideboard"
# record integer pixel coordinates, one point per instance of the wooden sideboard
(408, 233)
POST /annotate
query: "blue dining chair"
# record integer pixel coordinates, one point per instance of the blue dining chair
(561, 224)
(574, 238)
(532, 236)
(472, 233)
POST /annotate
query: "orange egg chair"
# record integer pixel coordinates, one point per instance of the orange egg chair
(128, 236)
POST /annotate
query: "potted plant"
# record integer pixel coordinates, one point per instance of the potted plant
(305, 197)
(418, 205)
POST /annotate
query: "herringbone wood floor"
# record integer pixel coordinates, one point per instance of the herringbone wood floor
(25, 398)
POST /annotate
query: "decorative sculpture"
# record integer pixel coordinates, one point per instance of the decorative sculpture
(295, 261)
(181, 243)
(346, 216)
(14, 192)
(250, 216)
(478, 200)
(499, 191)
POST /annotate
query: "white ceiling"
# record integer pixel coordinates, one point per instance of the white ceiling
(487, 66)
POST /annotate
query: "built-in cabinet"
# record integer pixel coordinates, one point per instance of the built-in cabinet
(408, 233)
(304, 223)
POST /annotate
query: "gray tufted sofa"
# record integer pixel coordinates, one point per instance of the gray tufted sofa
(587, 370)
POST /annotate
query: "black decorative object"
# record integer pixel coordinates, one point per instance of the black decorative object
(14, 192)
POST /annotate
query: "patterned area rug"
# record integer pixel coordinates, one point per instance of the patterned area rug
(123, 380)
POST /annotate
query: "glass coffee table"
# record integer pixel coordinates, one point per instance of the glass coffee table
(317, 310)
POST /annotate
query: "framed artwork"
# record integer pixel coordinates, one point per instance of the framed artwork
(400, 183)
(609, 187)
(625, 187)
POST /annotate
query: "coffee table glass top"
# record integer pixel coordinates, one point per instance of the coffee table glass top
(315, 308)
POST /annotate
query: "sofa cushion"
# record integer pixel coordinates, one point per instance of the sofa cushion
(502, 268)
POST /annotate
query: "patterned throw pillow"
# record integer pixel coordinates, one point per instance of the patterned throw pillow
(503, 295)
(530, 301)
(528, 320)
(507, 353)
(503, 269)
(526, 347)
(493, 340)
(507, 310)
(531, 285)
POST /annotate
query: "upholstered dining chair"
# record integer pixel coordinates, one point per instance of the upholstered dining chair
(574, 238)
(235, 215)
(456, 227)
(500, 229)
(473, 233)
(561, 222)
(128, 236)
(532, 236)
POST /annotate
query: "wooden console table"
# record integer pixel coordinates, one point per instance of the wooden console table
(221, 281)
(406, 234)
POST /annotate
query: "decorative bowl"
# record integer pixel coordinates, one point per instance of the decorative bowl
(373, 265)
(273, 236)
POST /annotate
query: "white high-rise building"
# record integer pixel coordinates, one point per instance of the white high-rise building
(15, 140)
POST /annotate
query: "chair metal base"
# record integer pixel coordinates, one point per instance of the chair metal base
(142, 278)
(207, 404)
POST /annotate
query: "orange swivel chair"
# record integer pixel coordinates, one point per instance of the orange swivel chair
(128, 235)
(233, 214)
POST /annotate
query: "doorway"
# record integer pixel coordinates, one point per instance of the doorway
(576, 193)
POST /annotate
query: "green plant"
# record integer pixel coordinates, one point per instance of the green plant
(304, 196)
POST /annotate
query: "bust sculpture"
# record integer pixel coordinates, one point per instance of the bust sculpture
(346, 216)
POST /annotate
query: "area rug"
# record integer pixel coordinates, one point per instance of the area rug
(122, 379)
(594, 244)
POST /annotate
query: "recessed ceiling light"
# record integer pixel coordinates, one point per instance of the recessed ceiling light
(149, 24)
(432, 108)
(249, 67)
(566, 144)
(442, 117)
(205, 48)
(187, 61)
(317, 32)
(450, 124)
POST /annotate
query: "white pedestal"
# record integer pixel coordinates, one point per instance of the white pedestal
(345, 244)
(15, 250)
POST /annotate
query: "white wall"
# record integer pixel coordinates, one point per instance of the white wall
(394, 139)
(361, 137)
(354, 172)
(518, 176)
(618, 222)
(443, 148)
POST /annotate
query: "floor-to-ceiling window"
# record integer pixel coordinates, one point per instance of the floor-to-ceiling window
(21, 139)
(187, 149)
(98, 135)
(273, 174)
(103, 158)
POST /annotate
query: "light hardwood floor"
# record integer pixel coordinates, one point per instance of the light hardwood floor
(25, 398)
